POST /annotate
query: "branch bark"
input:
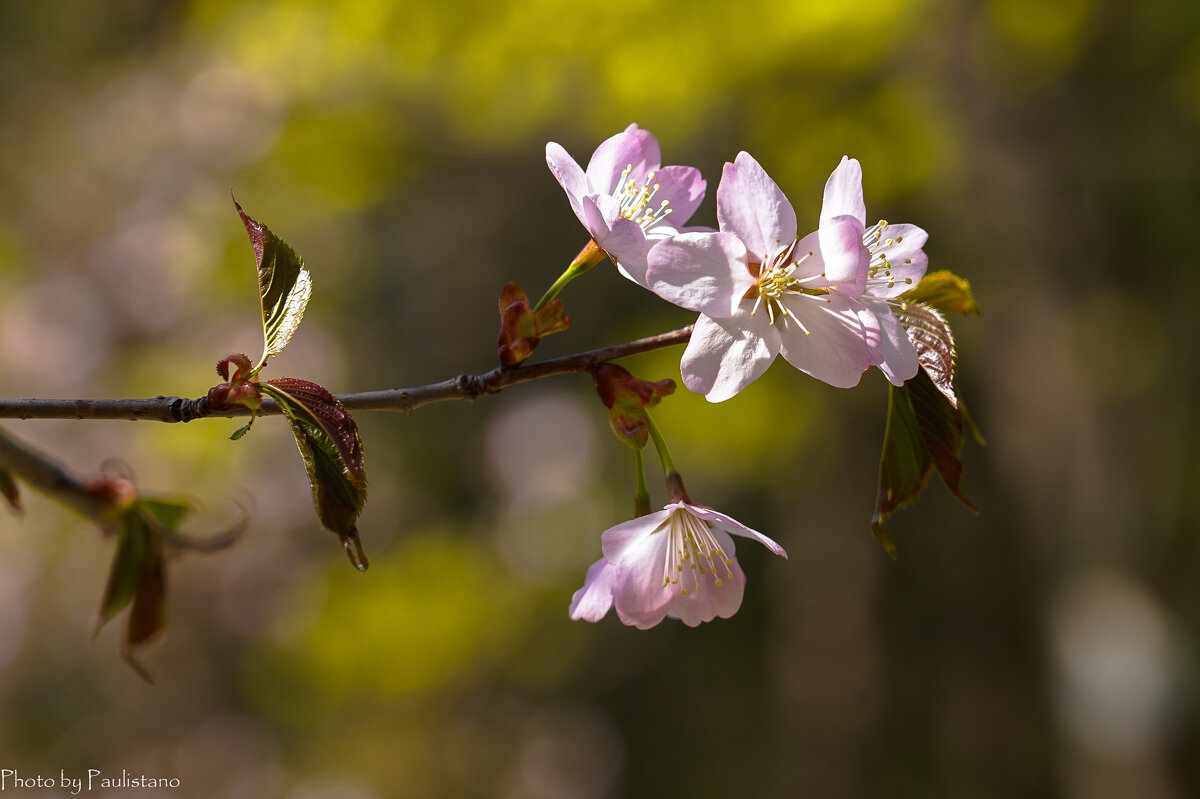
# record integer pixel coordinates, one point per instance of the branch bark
(401, 400)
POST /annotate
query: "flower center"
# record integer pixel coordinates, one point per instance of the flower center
(692, 553)
(879, 271)
(636, 200)
(776, 281)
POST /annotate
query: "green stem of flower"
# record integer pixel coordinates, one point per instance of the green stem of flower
(641, 493)
(660, 444)
(588, 257)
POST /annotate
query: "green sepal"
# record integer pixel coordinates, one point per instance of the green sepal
(924, 433)
(284, 286)
(327, 438)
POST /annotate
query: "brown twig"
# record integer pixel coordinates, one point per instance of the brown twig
(402, 400)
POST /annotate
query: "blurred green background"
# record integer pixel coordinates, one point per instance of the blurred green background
(1046, 648)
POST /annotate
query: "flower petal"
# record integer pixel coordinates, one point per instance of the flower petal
(726, 355)
(900, 361)
(846, 257)
(833, 349)
(732, 526)
(751, 206)
(568, 174)
(844, 193)
(709, 600)
(631, 147)
(592, 601)
(683, 188)
(908, 260)
(641, 596)
(622, 239)
(623, 543)
(703, 272)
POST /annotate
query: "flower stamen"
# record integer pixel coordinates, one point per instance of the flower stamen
(635, 199)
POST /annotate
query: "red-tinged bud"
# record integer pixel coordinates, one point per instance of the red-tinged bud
(116, 493)
(242, 362)
(240, 390)
(522, 328)
(627, 398)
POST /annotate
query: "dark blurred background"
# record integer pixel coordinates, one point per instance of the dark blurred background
(1046, 648)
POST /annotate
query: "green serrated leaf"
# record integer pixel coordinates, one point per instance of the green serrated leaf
(241, 431)
(931, 336)
(924, 432)
(284, 285)
(331, 449)
(945, 291)
(126, 569)
(10, 492)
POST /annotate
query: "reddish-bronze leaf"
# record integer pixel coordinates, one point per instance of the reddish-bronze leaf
(931, 336)
(327, 438)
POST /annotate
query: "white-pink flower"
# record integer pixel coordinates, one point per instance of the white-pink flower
(678, 562)
(897, 263)
(625, 199)
(761, 291)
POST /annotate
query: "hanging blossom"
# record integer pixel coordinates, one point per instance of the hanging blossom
(678, 562)
(625, 199)
(761, 291)
(897, 263)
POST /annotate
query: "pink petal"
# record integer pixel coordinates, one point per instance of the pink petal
(683, 188)
(631, 147)
(703, 272)
(709, 600)
(899, 355)
(568, 174)
(731, 525)
(639, 595)
(624, 542)
(751, 206)
(833, 350)
(844, 193)
(726, 355)
(592, 601)
(908, 260)
(846, 257)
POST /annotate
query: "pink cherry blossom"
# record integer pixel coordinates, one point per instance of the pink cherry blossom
(761, 291)
(897, 263)
(625, 199)
(678, 562)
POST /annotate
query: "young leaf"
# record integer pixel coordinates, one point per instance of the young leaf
(332, 451)
(148, 615)
(945, 291)
(924, 432)
(930, 335)
(10, 492)
(126, 569)
(284, 285)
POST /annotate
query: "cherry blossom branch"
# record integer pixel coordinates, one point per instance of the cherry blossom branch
(401, 400)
